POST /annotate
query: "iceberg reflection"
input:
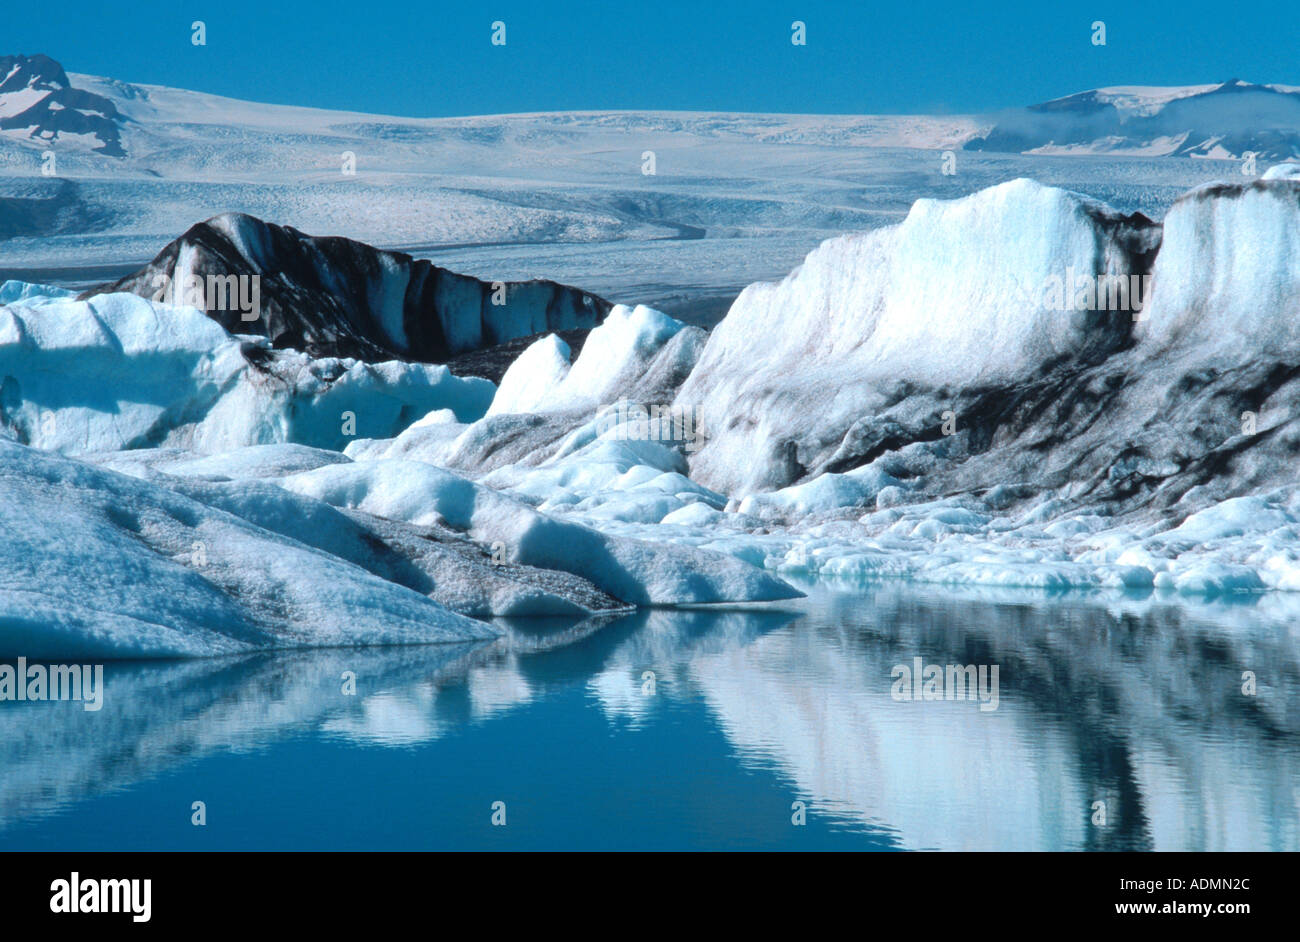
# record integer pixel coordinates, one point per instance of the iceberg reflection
(1131, 703)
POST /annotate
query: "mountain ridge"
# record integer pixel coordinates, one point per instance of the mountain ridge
(1120, 120)
(1228, 120)
(37, 97)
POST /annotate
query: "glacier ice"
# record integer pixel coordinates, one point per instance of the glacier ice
(335, 297)
(533, 378)
(634, 571)
(909, 403)
(637, 352)
(1227, 274)
(952, 297)
(98, 564)
(117, 372)
(442, 564)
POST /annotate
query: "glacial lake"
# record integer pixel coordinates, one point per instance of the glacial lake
(1120, 722)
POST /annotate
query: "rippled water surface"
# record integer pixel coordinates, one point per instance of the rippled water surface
(1120, 723)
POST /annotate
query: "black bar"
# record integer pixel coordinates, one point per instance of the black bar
(943, 891)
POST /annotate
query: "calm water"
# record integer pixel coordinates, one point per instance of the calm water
(1134, 703)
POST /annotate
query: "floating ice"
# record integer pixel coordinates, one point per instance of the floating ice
(957, 295)
(905, 405)
(634, 571)
(98, 564)
(118, 372)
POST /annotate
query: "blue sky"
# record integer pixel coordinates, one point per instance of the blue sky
(435, 58)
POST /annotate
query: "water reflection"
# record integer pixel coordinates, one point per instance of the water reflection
(1135, 703)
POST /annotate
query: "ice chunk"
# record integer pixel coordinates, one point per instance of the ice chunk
(972, 291)
(12, 291)
(97, 564)
(530, 384)
(1284, 171)
(614, 357)
(634, 571)
(824, 493)
(1227, 279)
(118, 371)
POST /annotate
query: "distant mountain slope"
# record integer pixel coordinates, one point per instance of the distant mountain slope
(37, 100)
(330, 296)
(1223, 121)
(672, 209)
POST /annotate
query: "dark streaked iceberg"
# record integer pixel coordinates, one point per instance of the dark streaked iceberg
(335, 297)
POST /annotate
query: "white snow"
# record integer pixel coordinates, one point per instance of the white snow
(16, 102)
(1148, 99)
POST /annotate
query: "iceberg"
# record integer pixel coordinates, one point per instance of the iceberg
(957, 296)
(923, 401)
(335, 297)
(117, 372)
(98, 564)
(637, 572)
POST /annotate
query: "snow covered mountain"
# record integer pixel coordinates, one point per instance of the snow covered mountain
(38, 104)
(722, 201)
(1228, 120)
(334, 297)
(569, 196)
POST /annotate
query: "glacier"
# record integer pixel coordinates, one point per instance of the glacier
(911, 402)
(561, 196)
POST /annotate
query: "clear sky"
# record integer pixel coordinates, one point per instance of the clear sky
(436, 58)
